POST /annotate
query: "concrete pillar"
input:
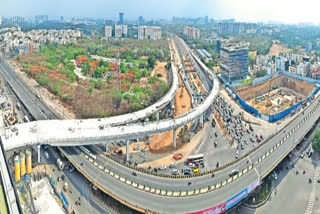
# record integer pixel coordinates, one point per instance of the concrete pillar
(39, 157)
(158, 115)
(107, 147)
(201, 119)
(174, 138)
(127, 150)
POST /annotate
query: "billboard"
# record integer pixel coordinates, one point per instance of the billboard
(213, 210)
(252, 186)
(237, 198)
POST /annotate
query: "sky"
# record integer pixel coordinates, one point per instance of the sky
(286, 11)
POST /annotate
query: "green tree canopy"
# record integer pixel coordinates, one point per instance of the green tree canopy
(261, 73)
(316, 141)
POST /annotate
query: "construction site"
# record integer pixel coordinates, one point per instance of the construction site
(193, 76)
(276, 94)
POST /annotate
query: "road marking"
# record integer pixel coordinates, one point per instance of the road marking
(309, 209)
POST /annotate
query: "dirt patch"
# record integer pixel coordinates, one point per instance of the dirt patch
(160, 71)
(163, 142)
(276, 49)
(276, 94)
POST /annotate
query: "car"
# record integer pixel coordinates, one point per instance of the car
(215, 144)
(143, 150)
(175, 172)
(143, 155)
(63, 177)
(275, 175)
(252, 140)
(134, 173)
(46, 155)
(187, 172)
(237, 154)
(319, 179)
(242, 147)
(246, 141)
(72, 168)
(302, 155)
(233, 172)
(135, 148)
(173, 165)
(163, 167)
(310, 154)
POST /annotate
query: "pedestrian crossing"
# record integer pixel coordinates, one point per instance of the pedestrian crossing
(309, 209)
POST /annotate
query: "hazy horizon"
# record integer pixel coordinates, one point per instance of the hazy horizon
(284, 11)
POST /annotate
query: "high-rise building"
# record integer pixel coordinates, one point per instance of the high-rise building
(121, 18)
(108, 32)
(206, 20)
(0, 20)
(108, 22)
(61, 18)
(124, 30)
(117, 31)
(140, 20)
(41, 18)
(234, 61)
(309, 46)
(149, 32)
(191, 32)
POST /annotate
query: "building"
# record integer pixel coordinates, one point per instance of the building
(108, 32)
(234, 61)
(0, 20)
(124, 29)
(149, 32)
(118, 31)
(309, 46)
(303, 69)
(140, 20)
(121, 18)
(41, 18)
(206, 20)
(108, 22)
(191, 32)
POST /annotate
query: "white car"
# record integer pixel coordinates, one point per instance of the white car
(163, 167)
(275, 175)
(46, 155)
(135, 148)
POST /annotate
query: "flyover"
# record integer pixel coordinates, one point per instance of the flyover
(168, 194)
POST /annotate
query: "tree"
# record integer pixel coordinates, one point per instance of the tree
(251, 60)
(316, 141)
(261, 73)
(151, 61)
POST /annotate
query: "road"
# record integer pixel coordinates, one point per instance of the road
(202, 201)
(262, 163)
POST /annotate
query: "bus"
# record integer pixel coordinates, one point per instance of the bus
(195, 158)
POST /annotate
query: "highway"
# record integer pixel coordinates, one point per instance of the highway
(164, 194)
(157, 202)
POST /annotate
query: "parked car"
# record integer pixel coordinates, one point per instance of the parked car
(136, 148)
(175, 172)
(163, 167)
(173, 165)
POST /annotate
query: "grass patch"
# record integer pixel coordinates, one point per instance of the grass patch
(3, 204)
(261, 193)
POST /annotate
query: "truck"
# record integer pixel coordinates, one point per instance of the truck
(66, 186)
(60, 164)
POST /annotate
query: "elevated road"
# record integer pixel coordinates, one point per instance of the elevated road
(174, 195)
(11, 199)
(164, 194)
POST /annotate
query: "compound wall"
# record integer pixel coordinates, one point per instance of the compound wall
(280, 115)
